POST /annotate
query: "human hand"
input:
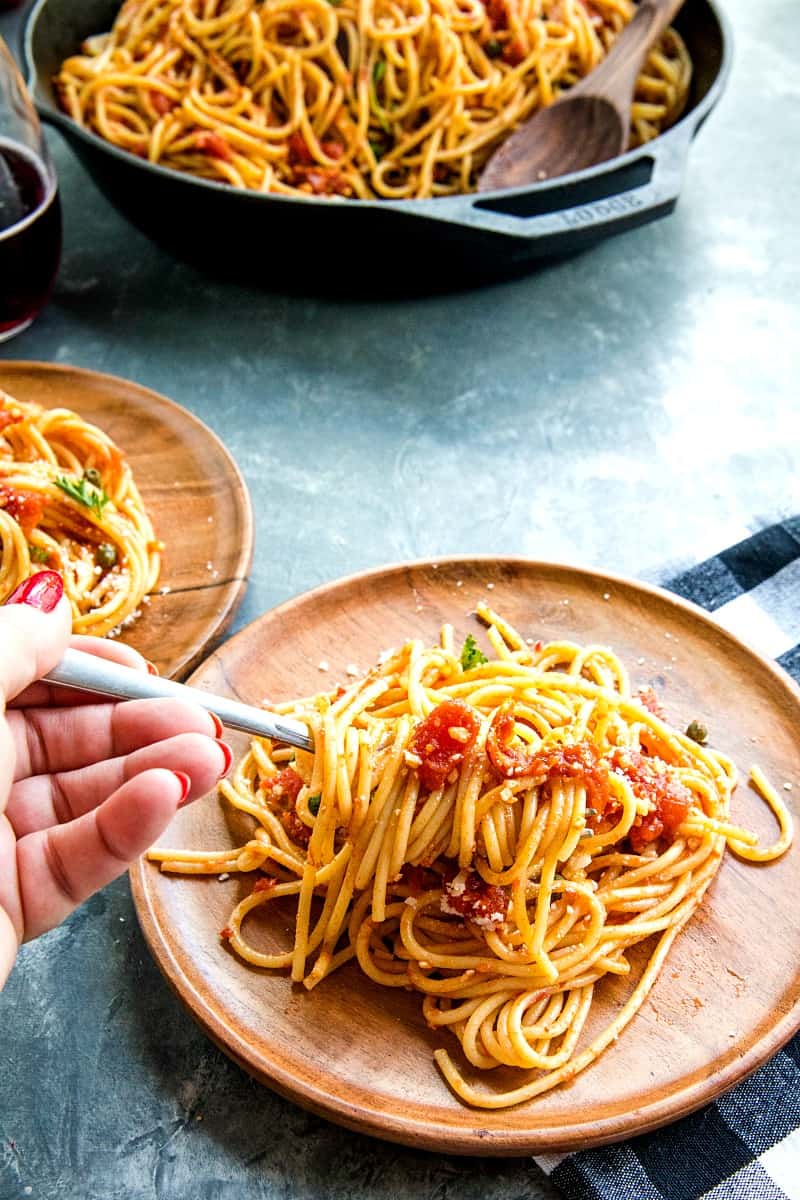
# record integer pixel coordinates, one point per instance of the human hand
(85, 786)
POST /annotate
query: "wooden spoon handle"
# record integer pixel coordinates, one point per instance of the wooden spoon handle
(616, 75)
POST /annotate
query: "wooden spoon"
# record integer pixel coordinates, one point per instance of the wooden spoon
(588, 124)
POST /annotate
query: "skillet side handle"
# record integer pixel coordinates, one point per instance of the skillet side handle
(572, 212)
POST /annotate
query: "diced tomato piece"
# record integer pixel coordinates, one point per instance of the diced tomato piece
(26, 508)
(161, 103)
(466, 894)
(514, 53)
(497, 13)
(652, 780)
(332, 149)
(282, 789)
(442, 739)
(299, 150)
(213, 145)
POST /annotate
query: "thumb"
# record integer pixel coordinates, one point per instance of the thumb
(35, 625)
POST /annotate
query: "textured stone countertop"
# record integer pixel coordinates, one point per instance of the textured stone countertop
(635, 407)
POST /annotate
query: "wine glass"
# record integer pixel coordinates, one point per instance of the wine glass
(30, 213)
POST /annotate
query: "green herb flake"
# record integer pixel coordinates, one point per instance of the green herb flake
(379, 70)
(39, 554)
(697, 732)
(313, 803)
(83, 492)
(492, 48)
(471, 654)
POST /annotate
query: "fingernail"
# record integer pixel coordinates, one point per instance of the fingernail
(186, 785)
(151, 667)
(42, 591)
(217, 725)
(226, 750)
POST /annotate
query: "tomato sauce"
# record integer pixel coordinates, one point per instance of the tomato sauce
(442, 739)
(652, 780)
(25, 507)
(466, 894)
(282, 789)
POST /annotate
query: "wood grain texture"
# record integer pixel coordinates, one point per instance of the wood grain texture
(588, 124)
(193, 491)
(359, 1054)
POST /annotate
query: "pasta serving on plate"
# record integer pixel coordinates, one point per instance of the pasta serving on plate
(495, 834)
(68, 501)
(391, 99)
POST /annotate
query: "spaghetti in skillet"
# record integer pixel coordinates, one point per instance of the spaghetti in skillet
(494, 834)
(68, 502)
(360, 98)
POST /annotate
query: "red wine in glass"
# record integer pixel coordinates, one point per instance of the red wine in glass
(30, 235)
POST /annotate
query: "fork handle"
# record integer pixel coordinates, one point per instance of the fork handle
(98, 676)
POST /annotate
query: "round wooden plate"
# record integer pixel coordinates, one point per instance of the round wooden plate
(729, 995)
(192, 489)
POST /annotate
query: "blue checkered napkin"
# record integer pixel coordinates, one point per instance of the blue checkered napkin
(745, 1146)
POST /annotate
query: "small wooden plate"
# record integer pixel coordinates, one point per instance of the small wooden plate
(192, 489)
(729, 995)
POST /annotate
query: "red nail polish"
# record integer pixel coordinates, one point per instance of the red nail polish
(186, 784)
(218, 726)
(42, 591)
(226, 750)
(151, 667)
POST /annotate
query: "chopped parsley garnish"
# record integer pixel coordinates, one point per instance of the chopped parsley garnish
(379, 70)
(39, 554)
(313, 803)
(471, 654)
(84, 492)
(697, 732)
(492, 48)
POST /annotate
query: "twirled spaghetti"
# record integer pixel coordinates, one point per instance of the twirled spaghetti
(68, 501)
(361, 98)
(495, 835)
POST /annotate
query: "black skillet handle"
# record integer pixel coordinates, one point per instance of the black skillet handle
(565, 213)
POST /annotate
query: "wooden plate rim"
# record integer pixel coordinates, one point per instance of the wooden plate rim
(231, 590)
(426, 1133)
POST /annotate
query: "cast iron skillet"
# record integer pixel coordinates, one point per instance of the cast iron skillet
(270, 238)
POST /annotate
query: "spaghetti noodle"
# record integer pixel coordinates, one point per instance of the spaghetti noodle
(361, 98)
(68, 502)
(495, 835)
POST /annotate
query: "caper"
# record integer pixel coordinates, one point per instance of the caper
(697, 732)
(106, 555)
(93, 476)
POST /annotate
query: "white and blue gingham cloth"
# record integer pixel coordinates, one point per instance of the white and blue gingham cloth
(746, 1145)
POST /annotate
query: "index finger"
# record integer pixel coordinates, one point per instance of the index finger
(31, 643)
(41, 695)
